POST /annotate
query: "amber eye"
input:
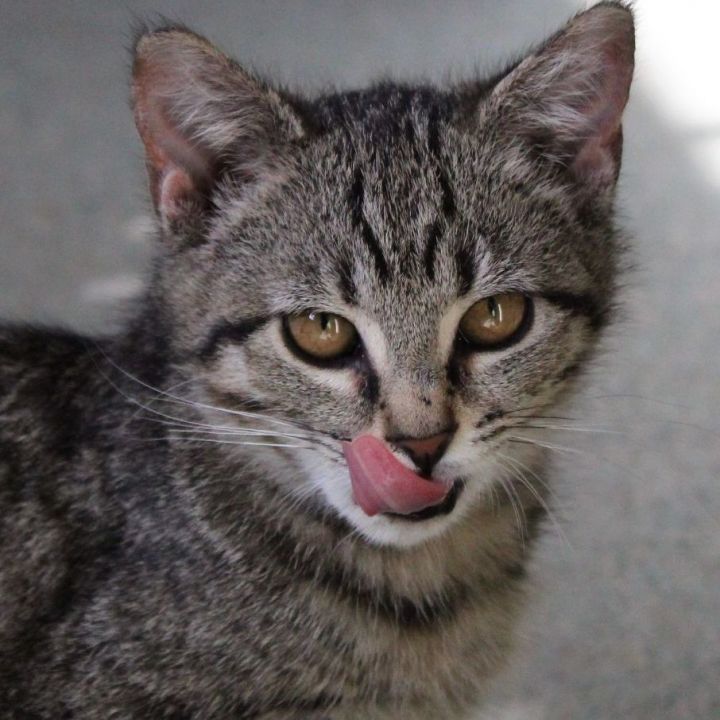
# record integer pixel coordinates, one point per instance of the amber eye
(494, 320)
(322, 335)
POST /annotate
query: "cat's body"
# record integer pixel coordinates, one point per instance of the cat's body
(155, 564)
(116, 594)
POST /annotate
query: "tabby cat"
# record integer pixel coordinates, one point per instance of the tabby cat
(304, 481)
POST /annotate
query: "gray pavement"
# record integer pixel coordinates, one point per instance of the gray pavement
(625, 618)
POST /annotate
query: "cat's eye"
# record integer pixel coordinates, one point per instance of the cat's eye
(321, 335)
(495, 321)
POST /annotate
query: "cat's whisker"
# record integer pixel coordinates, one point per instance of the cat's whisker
(170, 419)
(544, 445)
(230, 433)
(515, 504)
(165, 396)
(142, 406)
(635, 397)
(537, 424)
(222, 430)
(172, 387)
(527, 407)
(184, 423)
(559, 418)
(219, 442)
(542, 483)
(567, 428)
(184, 401)
(494, 500)
(624, 430)
(519, 466)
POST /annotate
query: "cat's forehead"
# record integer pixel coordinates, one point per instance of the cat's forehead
(390, 201)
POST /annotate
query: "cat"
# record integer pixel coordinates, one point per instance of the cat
(305, 481)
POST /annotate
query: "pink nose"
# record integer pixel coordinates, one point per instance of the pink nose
(425, 452)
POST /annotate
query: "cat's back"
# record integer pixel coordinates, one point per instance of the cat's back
(48, 401)
(53, 504)
(41, 371)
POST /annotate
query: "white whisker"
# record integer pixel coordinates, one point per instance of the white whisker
(227, 442)
(547, 446)
(181, 426)
(518, 468)
(567, 428)
(184, 401)
(515, 504)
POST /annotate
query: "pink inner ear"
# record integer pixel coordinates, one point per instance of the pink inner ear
(598, 158)
(578, 85)
(598, 161)
(176, 189)
(178, 167)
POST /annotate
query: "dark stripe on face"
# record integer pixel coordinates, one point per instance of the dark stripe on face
(492, 433)
(465, 264)
(346, 282)
(579, 305)
(434, 233)
(448, 199)
(356, 197)
(370, 389)
(229, 332)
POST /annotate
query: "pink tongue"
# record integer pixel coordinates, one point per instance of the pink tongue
(381, 483)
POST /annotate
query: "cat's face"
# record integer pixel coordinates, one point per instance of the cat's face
(402, 264)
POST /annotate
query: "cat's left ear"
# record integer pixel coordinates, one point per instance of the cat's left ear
(566, 100)
(200, 116)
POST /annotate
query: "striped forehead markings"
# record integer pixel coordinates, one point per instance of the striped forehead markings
(448, 206)
(434, 230)
(356, 197)
(448, 198)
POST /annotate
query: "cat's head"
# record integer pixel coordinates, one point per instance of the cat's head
(402, 273)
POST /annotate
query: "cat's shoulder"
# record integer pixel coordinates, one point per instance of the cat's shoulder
(47, 390)
(36, 356)
(52, 502)
(23, 344)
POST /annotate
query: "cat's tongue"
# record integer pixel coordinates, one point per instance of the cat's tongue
(381, 483)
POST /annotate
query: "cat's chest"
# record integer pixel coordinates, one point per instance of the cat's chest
(411, 659)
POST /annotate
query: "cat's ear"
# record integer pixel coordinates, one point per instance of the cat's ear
(199, 114)
(566, 100)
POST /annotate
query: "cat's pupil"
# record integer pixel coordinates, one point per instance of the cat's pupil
(324, 321)
(493, 309)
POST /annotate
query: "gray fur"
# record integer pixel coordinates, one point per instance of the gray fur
(154, 564)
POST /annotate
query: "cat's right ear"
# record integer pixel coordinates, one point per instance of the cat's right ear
(565, 101)
(200, 117)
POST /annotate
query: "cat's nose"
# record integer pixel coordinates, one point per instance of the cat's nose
(425, 452)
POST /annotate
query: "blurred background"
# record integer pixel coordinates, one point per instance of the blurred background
(624, 620)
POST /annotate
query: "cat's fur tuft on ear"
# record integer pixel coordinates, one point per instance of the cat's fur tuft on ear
(566, 100)
(200, 114)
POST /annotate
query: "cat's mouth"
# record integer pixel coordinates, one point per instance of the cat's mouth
(443, 508)
(381, 484)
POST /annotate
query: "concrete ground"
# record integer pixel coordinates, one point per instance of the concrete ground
(625, 618)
